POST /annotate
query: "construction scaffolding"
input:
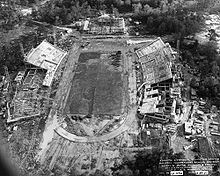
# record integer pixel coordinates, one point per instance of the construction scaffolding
(158, 93)
(47, 57)
(106, 24)
(156, 61)
(27, 101)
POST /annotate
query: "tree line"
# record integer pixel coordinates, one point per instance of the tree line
(156, 17)
(179, 21)
(67, 11)
(11, 52)
(205, 59)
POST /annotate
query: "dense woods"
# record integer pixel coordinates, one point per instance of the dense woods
(8, 17)
(204, 61)
(180, 22)
(11, 49)
(156, 17)
(68, 11)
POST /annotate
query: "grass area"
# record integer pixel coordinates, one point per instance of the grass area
(204, 148)
(97, 86)
(180, 131)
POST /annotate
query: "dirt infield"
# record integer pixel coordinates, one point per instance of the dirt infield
(97, 87)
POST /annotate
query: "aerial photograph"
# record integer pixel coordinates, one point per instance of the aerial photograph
(109, 87)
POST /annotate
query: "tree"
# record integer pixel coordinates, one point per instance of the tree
(118, 2)
(8, 16)
(215, 68)
(154, 3)
(209, 50)
(192, 26)
(127, 2)
(98, 173)
(194, 83)
(147, 8)
(103, 7)
(163, 6)
(115, 12)
(137, 7)
(162, 29)
(150, 22)
(125, 171)
(69, 18)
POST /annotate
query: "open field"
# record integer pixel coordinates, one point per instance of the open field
(97, 86)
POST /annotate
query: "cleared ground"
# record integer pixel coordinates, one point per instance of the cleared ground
(112, 80)
(97, 86)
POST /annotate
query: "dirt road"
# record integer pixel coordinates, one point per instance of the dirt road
(124, 127)
(53, 118)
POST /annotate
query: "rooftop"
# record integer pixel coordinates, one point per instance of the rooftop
(149, 105)
(150, 48)
(48, 57)
(156, 65)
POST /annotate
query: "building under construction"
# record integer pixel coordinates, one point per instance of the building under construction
(160, 89)
(30, 98)
(105, 24)
(48, 57)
